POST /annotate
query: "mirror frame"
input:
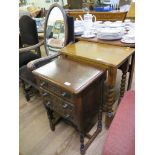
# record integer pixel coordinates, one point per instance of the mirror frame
(65, 24)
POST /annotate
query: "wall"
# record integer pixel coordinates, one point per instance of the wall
(44, 4)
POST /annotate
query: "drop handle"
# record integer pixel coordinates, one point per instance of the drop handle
(42, 84)
(67, 116)
(65, 106)
(45, 94)
(64, 94)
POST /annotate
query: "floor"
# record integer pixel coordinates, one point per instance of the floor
(36, 138)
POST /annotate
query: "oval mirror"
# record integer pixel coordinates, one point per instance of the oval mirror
(55, 30)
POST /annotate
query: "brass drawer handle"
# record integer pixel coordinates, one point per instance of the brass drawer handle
(67, 116)
(65, 106)
(47, 103)
(44, 94)
(64, 94)
(42, 84)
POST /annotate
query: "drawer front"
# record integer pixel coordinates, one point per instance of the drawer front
(64, 108)
(55, 89)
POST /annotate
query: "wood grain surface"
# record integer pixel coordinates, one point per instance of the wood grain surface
(110, 55)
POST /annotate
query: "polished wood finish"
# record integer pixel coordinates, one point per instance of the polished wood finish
(68, 89)
(103, 56)
(68, 71)
(103, 16)
(117, 43)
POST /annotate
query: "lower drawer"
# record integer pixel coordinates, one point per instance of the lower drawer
(62, 107)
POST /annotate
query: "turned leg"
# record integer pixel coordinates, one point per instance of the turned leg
(51, 120)
(124, 69)
(82, 150)
(26, 92)
(50, 117)
(99, 126)
(131, 71)
(84, 147)
(112, 73)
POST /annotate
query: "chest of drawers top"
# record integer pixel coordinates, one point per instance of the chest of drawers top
(69, 75)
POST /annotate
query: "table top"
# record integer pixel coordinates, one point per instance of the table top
(69, 74)
(104, 54)
(110, 42)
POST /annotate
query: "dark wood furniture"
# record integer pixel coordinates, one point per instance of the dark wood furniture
(28, 32)
(26, 77)
(103, 16)
(28, 37)
(75, 91)
(103, 56)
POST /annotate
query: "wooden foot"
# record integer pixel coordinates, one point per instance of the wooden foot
(108, 119)
(110, 101)
(91, 138)
(27, 96)
(52, 126)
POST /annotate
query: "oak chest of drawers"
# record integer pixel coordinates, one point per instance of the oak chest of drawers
(74, 91)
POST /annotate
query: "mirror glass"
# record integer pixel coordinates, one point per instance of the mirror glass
(55, 30)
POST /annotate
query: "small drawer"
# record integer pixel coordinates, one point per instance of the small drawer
(62, 107)
(54, 89)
